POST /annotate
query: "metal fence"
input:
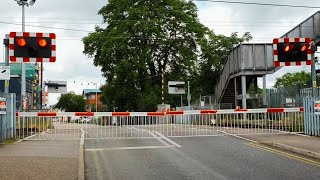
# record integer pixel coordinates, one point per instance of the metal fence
(312, 116)
(288, 97)
(8, 118)
(115, 125)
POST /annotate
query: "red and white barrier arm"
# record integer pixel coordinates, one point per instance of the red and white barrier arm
(145, 114)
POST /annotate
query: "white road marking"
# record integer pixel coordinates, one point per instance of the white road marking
(167, 139)
(153, 135)
(237, 136)
(129, 148)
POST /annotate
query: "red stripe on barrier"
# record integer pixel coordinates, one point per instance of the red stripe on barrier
(84, 114)
(155, 114)
(275, 110)
(301, 109)
(53, 47)
(208, 112)
(120, 113)
(47, 114)
(175, 112)
(241, 110)
(276, 63)
(17, 114)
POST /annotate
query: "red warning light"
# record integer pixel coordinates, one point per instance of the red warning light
(287, 48)
(42, 42)
(304, 47)
(22, 42)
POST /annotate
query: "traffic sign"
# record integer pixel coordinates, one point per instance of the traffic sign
(4, 72)
(3, 104)
(57, 86)
(176, 87)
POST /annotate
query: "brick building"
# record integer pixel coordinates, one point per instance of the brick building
(92, 96)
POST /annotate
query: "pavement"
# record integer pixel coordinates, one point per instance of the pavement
(296, 143)
(52, 160)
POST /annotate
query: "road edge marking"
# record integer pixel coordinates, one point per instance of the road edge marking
(285, 154)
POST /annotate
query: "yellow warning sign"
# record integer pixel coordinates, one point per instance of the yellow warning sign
(7, 83)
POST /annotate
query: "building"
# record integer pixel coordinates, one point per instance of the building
(32, 84)
(92, 96)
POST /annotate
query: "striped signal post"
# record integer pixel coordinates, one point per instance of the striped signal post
(162, 77)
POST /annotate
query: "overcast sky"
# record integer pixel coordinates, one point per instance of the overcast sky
(263, 22)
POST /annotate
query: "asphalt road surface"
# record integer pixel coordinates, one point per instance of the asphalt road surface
(155, 156)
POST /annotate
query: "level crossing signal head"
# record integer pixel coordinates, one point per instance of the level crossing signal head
(32, 47)
(292, 51)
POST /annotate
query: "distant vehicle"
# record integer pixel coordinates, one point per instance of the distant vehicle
(85, 119)
(55, 119)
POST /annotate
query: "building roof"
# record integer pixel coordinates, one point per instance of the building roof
(91, 91)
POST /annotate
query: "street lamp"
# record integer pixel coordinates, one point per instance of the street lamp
(24, 3)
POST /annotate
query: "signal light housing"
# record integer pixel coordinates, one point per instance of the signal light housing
(292, 51)
(32, 47)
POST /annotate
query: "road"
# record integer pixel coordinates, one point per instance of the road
(216, 157)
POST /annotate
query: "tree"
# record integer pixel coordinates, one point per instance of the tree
(298, 79)
(146, 38)
(71, 102)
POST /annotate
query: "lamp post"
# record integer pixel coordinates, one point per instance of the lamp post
(24, 3)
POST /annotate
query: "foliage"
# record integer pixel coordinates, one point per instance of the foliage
(71, 102)
(298, 79)
(145, 38)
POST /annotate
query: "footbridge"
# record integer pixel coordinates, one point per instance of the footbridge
(247, 62)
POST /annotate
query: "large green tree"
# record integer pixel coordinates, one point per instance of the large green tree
(145, 38)
(298, 79)
(71, 102)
